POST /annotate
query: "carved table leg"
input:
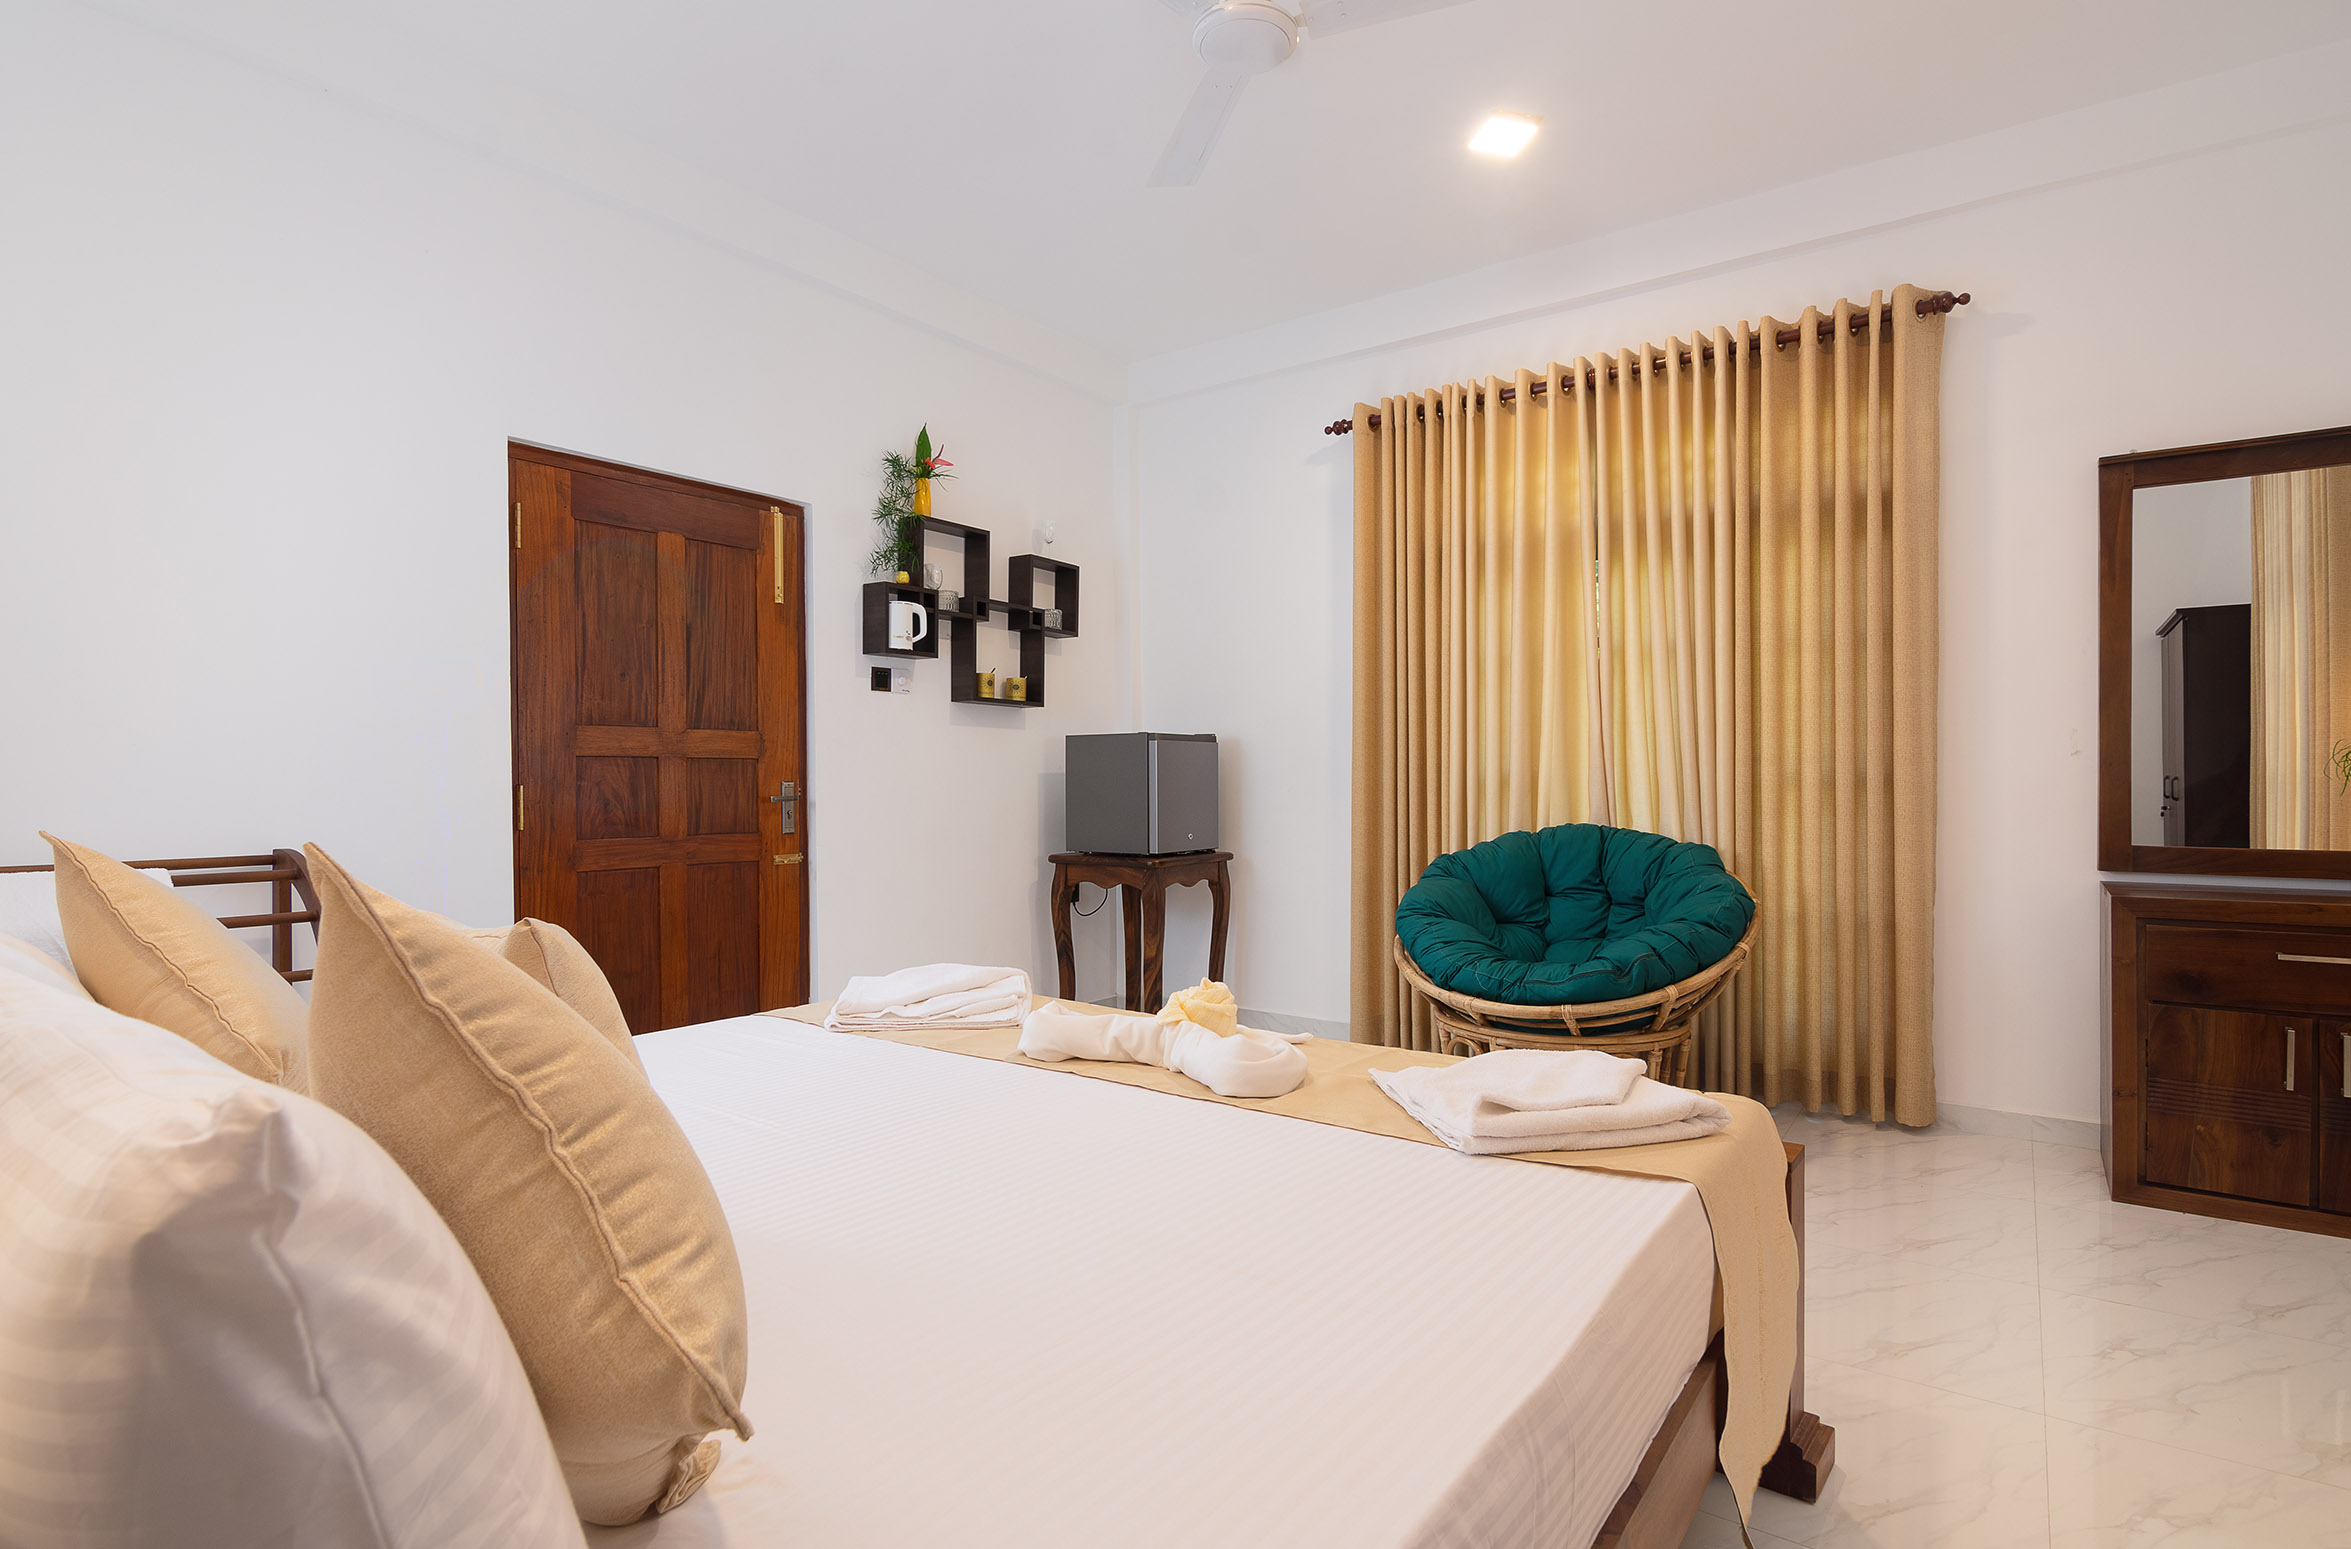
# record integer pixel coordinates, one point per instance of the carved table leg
(1808, 1450)
(1130, 909)
(1220, 896)
(1064, 955)
(1154, 945)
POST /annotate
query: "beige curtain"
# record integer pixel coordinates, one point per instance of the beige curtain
(1693, 595)
(2301, 677)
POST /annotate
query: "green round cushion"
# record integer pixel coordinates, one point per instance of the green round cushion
(1572, 915)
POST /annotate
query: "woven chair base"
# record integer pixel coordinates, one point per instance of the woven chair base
(1655, 1026)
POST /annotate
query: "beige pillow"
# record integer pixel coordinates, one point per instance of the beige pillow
(34, 963)
(554, 957)
(146, 952)
(577, 1196)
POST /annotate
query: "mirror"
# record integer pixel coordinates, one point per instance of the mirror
(2235, 643)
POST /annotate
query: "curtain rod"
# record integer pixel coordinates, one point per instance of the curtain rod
(1928, 306)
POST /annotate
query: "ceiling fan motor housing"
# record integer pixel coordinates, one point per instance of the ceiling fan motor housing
(1245, 37)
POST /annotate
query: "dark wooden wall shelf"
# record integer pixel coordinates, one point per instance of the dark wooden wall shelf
(1019, 612)
(878, 597)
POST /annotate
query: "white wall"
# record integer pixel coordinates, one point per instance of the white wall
(266, 345)
(2133, 304)
(2191, 547)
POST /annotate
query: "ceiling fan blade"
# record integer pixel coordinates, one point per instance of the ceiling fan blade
(1324, 17)
(1196, 132)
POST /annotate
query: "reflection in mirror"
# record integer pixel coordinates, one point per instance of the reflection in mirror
(2241, 662)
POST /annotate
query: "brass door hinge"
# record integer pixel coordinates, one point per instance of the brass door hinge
(518, 809)
(778, 513)
(518, 524)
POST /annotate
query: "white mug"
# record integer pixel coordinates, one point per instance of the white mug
(909, 622)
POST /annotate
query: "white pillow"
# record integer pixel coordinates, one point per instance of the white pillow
(31, 961)
(28, 910)
(227, 1317)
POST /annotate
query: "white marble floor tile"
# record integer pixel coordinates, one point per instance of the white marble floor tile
(2117, 1492)
(2068, 1175)
(2255, 1277)
(2276, 1403)
(1915, 1467)
(1940, 1327)
(2011, 1358)
(1928, 1220)
(1975, 1164)
(1708, 1531)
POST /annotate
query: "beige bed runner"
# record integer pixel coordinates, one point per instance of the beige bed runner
(1740, 1175)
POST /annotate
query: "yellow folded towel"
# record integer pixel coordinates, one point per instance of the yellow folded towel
(1208, 1003)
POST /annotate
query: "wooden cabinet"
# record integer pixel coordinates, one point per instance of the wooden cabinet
(2231, 1019)
(2208, 726)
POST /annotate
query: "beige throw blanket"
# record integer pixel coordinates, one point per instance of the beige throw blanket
(1740, 1174)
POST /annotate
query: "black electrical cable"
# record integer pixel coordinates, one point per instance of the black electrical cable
(1087, 914)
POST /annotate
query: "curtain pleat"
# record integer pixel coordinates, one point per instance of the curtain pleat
(1692, 597)
(2301, 681)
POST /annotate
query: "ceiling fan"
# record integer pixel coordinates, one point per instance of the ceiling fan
(1237, 39)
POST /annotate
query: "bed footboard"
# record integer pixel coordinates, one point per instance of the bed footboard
(1809, 1449)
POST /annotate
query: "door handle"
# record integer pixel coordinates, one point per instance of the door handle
(787, 795)
(2347, 1064)
(2289, 1059)
(2305, 957)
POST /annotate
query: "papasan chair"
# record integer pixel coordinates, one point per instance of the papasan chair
(1575, 936)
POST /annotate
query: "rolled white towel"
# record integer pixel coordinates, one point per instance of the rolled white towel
(1455, 1103)
(1248, 1063)
(949, 994)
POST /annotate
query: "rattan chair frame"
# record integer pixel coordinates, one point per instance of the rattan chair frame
(1656, 1026)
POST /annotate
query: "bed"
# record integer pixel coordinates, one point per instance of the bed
(992, 1304)
(996, 1305)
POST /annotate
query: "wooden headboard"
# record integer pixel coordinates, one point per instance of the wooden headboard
(288, 878)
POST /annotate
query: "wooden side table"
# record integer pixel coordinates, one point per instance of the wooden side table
(1142, 881)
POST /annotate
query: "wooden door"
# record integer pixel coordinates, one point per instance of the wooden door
(659, 694)
(2230, 1103)
(2334, 1116)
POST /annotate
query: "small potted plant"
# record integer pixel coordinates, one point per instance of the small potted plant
(905, 501)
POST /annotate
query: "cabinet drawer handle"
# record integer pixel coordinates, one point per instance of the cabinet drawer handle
(2289, 1059)
(2304, 957)
(2347, 1064)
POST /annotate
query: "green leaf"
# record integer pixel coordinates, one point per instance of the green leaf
(922, 445)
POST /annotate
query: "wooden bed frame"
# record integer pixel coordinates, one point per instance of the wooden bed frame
(1656, 1508)
(284, 871)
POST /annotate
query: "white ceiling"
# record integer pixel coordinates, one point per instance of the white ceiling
(1003, 147)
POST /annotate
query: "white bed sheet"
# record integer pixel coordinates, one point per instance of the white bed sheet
(992, 1305)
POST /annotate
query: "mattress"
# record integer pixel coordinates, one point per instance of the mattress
(995, 1305)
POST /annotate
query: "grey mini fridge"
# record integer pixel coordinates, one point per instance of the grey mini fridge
(1142, 793)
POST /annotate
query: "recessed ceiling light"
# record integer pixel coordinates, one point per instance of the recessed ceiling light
(1505, 134)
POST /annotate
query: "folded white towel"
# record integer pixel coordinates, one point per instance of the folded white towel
(937, 994)
(1463, 1106)
(1518, 1091)
(1249, 1063)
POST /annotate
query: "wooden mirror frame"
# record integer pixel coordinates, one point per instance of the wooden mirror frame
(2118, 477)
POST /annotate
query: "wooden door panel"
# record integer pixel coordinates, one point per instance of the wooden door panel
(2222, 1114)
(722, 911)
(722, 639)
(618, 798)
(722, 795)
(659, 693)
(2334, 1117)
(619, 922)
(649, 504)
(618, 573)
